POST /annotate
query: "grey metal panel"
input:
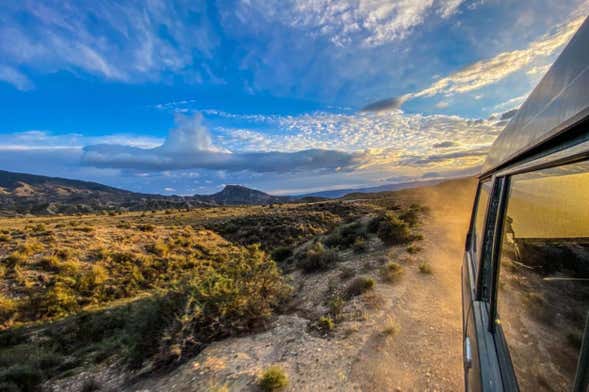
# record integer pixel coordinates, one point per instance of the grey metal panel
(558, 101)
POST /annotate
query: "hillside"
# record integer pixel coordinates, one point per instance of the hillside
(337, 193)
(22, 193)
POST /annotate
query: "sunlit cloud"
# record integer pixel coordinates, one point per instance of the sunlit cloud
(486, 72)
(365, 22)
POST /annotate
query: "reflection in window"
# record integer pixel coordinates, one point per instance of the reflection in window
(479, 223)
(543, 294)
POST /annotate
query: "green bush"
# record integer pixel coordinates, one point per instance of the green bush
(392, 230)
(281, 253)
(359, 286)
(410, 216)
(336, 306)
(24, 376)
(317, 258)
(345, 236)
(372, 226)
(273, 378)
(325, 324)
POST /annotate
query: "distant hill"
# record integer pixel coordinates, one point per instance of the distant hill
(22, 193)
(237, 194)
(337, 193)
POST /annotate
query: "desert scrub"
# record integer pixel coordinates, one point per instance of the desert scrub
(391, 271)
(4, 237)
(158, 248)
(281, 253)
(347, 273)
(391, 327)
(425, 267)
(14, 259)
(325, 324)
(411, 215)
(274, 378)
(359, 286)
(7, 308)
(336, 306)
(413, 249)
(360, 245)
(317, 258)
(235, 291)
(346, 236)
(145, 227)
(226, 297)
(392, 230)
(29, 247)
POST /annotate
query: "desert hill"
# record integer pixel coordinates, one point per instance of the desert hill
(22, 193)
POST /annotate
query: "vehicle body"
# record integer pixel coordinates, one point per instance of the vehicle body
(525, 274)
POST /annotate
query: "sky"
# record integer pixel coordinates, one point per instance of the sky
(290, 97)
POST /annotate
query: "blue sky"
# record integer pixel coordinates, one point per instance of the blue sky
(184, 97)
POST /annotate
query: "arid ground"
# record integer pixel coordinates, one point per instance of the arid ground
(365, 296)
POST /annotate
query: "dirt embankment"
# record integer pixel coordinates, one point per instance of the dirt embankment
(403, 335)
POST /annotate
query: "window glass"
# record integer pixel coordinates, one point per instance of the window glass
(479, 222)
(543, 290)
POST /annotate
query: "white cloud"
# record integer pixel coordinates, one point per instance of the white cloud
(486, 72)
(190, 146)
(113, 40)
(368, 22)
(15, 77)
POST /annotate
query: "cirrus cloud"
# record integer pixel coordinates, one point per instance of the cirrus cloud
(486, 72)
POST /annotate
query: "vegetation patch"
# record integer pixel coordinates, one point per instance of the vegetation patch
(391, 271)
(425, 268)
(151, 301)
(273, 378)
(391, 327)
(413, 249)
(325, 324)
(317, 258)
(359, 286)
(392, 230)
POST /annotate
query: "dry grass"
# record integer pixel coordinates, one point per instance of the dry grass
(391, 327)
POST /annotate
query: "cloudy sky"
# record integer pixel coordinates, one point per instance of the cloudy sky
(281, 95)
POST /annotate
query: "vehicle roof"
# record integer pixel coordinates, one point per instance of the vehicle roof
(560, 100)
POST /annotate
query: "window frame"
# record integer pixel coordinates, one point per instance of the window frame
(566, 155)
(476, 253)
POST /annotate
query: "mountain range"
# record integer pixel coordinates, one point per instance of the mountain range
(22, 193)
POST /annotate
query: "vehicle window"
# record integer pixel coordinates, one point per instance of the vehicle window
(479, 221)
(543, 288)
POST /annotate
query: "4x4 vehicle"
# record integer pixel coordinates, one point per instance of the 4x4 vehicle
(525, 275)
